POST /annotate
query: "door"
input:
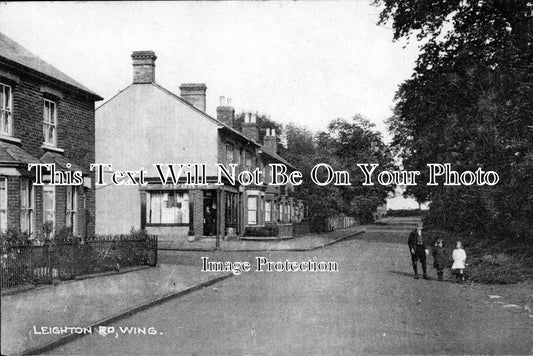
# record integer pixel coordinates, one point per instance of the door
(210, 213)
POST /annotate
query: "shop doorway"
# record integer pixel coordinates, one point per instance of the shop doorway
(210, 213)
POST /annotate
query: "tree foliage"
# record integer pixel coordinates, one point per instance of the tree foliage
(342, 146)
(469, 102)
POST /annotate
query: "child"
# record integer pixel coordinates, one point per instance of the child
(459, 257)
(439, 258)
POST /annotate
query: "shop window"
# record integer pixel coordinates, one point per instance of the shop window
(167, 207)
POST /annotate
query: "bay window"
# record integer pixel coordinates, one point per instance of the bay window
(72, 209)
(49, 209)
(3, 203)
(268, 211)
(27, 207)
(252, 210)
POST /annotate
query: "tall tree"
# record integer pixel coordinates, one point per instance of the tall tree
(469, 103)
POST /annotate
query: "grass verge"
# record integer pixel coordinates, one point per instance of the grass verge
(490, 261)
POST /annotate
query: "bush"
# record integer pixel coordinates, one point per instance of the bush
(270, 230)
(13, 237)
(405, 212)
(490, 261)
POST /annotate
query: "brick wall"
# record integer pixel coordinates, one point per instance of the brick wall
(75, 135)
(197, 197)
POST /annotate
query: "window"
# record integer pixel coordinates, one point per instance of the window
(229, 152)
(248, 159)
(252, 210)
(280, 211)
(231, 209)
(27, 207)
(268, 211)
(3, 203)
(49, 209)
(50, 122)
(167, 207)
(289, 213)
(72, 209)
(6, 110)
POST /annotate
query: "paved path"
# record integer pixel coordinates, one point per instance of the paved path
(81, 303)
(371, 306)
(299, 243)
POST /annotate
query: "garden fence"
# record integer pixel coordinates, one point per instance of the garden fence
(66, 260)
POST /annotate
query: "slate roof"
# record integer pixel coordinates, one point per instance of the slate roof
(60, 162)
(13, 154)
(14, 52)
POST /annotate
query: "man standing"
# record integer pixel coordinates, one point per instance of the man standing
(417, 247)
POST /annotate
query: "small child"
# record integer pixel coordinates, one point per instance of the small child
(459, 258)
(439, 258)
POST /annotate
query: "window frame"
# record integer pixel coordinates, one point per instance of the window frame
(3, 204)
(48, 187)
(49, 124)
(71, 214)
(27, 206)
(268, 211)
(230, 152)
(6, 110)
(248, 159)
(164, 204)
(254, 211)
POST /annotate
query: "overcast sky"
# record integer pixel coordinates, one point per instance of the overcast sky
(301, 62)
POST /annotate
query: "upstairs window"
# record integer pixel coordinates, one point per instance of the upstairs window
(6, 110)
(230, 152)
(50, 122)
(248, 159)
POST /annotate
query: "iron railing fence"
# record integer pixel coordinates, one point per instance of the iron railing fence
(68, 259)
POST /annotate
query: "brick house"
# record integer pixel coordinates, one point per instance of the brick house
(146, 124)
(45, 117)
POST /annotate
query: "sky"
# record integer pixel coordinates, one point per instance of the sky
(300, 62)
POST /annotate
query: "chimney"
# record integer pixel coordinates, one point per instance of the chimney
(194, 94)
(270, 143)
(249, 126)
(226, 112)
(143, 67)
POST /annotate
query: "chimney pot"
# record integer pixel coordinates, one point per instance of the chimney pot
(143, 67)
(226, 113)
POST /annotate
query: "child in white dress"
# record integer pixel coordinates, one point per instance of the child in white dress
(459, 258)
